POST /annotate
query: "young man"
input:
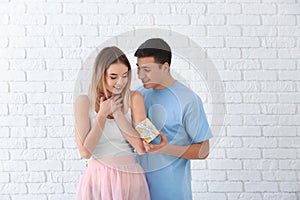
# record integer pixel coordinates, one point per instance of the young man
(178, 113)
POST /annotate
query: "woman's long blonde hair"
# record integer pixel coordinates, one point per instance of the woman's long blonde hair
(98, 89)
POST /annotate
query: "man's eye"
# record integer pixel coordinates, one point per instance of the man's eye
(147, 70)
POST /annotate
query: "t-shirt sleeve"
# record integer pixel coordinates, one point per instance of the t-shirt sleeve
(195, 121)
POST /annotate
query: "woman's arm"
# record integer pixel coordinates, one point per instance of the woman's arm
(87, 137)
(138, 114)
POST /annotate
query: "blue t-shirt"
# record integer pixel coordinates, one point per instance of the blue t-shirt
(178, 113)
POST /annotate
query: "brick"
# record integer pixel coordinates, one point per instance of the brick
(63, 64)
(289, 186)
(82, 8)
(257, 9)
(4, 20)
(12, 7)
(282, 86)
(244, 175)
(28, 197)
(68, 86)
(137, 20)
(43, 120)
(278, 42)
(261, 187)
(12, 166)
(82, 30)
(289, 9)
(209, 41)
(279, 64)
(11, 188)
(28, 177)
(238, 65)
(279, 176)
(28, 64)
(44, 53)
(73, 166)
(4, 178)
(189, 9)
(242, 42)
(228, 142)
(12, 53)
(59, 131)
(63, 42)
(208, 20)
(260, 120)
(26, 109)
(3, 42)
(227, 186)
(100, 19)
(27, 87)
(11, 97)
(260, 142)
(4, 132)
(64, 177)
(221, 164)
(289, 119)
(4, 155)
(260, 75)
(45, 98)
(198, 186)
(289, 164)
(209, 195)
(244, 196)
(171, 20)
(27, 154)
(259, 53)
(289, 75)
(3, 109)
(224, 53)
(65, 19)
(47, 30)
(278, 196)
(259, 98)
(279, 153)
(47, 165)
(59, 109)
(44, 8)
(278, 131)
(243, 153)
(33, 19)
(54, 154)
(12, 121)
(46, 188)
(152, 8)
(289, 31)
(262, 31)
(243, 109)
(283, 20)
(278, 109)
(12, 30)
(224, 9)
(44, 76)
(243, 20)
(224, 30)
(118, 9)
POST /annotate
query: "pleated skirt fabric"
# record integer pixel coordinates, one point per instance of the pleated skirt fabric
(115, 178)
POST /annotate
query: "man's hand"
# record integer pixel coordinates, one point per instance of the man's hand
(157, 148)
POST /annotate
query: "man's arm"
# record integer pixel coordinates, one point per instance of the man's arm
(194, 151)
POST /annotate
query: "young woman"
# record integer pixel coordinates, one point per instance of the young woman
(104, 133)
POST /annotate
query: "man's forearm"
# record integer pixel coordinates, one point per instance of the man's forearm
(193, 151)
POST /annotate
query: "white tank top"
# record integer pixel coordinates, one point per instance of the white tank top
(112, 143)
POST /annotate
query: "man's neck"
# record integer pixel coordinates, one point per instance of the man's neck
(166, 83)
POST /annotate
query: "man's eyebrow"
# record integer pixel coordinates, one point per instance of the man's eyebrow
(143, 66)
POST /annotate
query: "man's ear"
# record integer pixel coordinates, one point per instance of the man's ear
(166, 66)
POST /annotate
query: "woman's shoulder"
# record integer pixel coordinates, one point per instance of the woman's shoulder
(135, 96)
(82, 101)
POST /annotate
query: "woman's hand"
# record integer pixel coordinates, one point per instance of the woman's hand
(110, 106)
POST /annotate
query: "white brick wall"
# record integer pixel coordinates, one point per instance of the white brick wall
(255, 45)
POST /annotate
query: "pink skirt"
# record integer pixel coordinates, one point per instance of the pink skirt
(115, 178)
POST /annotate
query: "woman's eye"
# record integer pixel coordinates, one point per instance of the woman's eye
(112, 78)
(125, 76)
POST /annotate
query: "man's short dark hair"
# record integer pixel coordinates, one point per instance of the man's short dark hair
(157, 48)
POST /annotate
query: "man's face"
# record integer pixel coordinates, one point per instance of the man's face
(150, 73)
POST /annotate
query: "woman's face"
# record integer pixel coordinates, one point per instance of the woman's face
(116, 78)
